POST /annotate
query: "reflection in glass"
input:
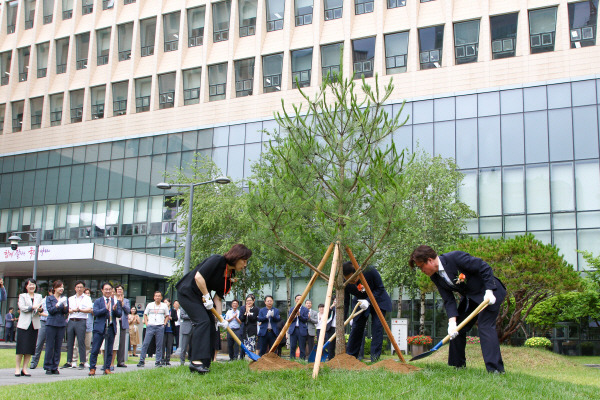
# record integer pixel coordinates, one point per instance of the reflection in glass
(272, 66)
(244, 77)
(583, 17)
(363, 53)
(542, 29)
(431, 41)
(466, 41)
(504, 35)
(396, 52)
(301, 67)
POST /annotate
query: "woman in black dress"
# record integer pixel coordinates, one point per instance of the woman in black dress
(216, 273)
(248, 316)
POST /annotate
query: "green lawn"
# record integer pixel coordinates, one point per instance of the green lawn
(531, 374)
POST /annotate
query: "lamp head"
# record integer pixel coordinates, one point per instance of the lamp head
(164, 186)
(14, 242)
(222, 180)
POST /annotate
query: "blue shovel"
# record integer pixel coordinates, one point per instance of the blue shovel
(325, 354)
(458, 328)
(253, 357)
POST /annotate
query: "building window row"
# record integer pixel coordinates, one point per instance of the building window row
(542, 38)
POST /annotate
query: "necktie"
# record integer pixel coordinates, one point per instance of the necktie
(109, 320)
(443, 274)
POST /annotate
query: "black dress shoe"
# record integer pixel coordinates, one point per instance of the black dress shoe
(55, 372)
(48, 372)
(24, 374)
(121, 366)
(199, 368)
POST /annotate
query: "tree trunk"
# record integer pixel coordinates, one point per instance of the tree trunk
(340, 332)
(288, 289)
(422, 315)
(399, 315)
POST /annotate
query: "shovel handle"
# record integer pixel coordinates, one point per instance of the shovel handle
(476, 311)
(354, 314)
(233, 335)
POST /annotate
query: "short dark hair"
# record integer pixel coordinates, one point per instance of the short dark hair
(321, 305)
(236, 300)
(80, 283)
(87, 289)
(236, 253)
(348, 268)
(106, 283)
(297, 296)
(421, 254)
(119, 286)
(56, 284)
(159, 292)
(167, 299)
(27, 283)
(267, 296)
(10, 308)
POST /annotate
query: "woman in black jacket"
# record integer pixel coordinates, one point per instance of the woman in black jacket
(248, 316)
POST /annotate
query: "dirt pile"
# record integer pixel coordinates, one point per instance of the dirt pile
(272, 362)
(345, 361)
(395, 366)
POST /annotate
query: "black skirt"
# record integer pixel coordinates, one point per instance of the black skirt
(26, 340)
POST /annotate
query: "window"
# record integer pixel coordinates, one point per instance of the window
(396, 3)
(147, 36)
(87, 7)
(303, 12)
(42, 59)
(143, 88)
(36, 106)
(98, 94)
(2, 112)
(82, 49)
(125, 32)
(62, 53)
(23, 62)
(11, 16)
(17, 115)
(125, 2)
(29, 13)
(272, 66)
(396, 52)
(119, 92)
(108, 4)
(48, 11)
(102, 46)
(275, 10)
(430, 46)
(542, 29)
(583, 18)
(221, 14)
(195, 26)
(333, 9)
(244, 77)
(191, 86)
(76, 105)
(171, 31)
(67, 9)
(217, 81)
(363, 6)
(5, 61)
(248, 17)
(330, 60)
(301, 67)
(56, 105)
(166, 90)
(504, 35)
(466, 41)
(363, 52)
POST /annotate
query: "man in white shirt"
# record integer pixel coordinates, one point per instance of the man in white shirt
(233, 318)
(80, 306)
(156, 317)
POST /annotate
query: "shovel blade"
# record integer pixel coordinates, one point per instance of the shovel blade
(422, 355)
(251, 355)
(313, 354)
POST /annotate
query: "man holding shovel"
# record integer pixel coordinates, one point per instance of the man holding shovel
(474, 280)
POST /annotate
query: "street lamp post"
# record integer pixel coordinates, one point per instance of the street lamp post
(188, 238)
(37, 236)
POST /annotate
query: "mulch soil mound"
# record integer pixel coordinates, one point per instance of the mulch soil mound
(272, 362)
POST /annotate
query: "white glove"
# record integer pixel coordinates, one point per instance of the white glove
(270, 313)
(452, 332)
(351, 321)
(223, 324)
(489, 296)
(208, 303)
(363, 303)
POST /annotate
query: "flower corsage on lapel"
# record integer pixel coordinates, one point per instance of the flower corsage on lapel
(460, 279)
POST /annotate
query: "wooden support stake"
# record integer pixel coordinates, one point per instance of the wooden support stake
(299, 304)
(336, 257)
(374, 304)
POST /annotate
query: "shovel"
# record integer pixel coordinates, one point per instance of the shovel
(445, 340)
(313, 353)
(253, 357)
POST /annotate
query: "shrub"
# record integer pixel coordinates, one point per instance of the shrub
(473, 340)
(539, 342)
(419, 340)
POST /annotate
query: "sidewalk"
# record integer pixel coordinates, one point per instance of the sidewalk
(38, 375)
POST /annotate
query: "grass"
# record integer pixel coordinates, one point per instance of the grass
(530, 374)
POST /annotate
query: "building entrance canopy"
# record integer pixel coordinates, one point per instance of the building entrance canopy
(87, 258)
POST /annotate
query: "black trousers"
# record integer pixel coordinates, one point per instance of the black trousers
(490, 346)
(54, 338)
(232, 347)
(310, 343)
(107, 336)
(297, 340)
(358, 332)
(330, 346)
(204, 334)
(266, 342)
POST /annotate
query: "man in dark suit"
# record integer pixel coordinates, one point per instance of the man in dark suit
(360, 296)
(474, 280)
(298, 330)
(268, 317)
(106, 311)
(124, 325)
